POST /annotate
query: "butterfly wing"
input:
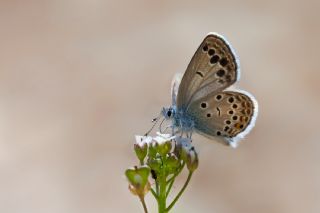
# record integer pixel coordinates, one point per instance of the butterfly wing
(175, 87)
(202, 98)
(213, 67)
(227, 115)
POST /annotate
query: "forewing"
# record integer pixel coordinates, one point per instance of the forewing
(175, 87)
(213, 68)
(227, 115)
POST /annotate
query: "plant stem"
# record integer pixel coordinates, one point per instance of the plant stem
(176, 174)
(154, 193)
(162, 195)
(143, 204)
(180, 193)
(157, 187)
(163, 186)
(141, 162)
(170, 186)
(171, 180)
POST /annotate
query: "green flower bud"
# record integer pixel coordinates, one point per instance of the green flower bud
(154, 163)
(138, 180)
(164, 143)
(183, 145)
(164, 148)
(192, 160)
(141, 146)
(173, 163)
(153, 150)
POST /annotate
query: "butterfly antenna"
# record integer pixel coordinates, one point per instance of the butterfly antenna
(154, 121)
(160, 126)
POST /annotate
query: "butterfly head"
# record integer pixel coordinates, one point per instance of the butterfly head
(168, 113)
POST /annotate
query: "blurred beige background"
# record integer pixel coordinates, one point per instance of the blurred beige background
(79, 78)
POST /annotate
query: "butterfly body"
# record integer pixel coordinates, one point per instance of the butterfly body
(180, 119)
(202, 100)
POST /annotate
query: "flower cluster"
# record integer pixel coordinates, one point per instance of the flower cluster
(161, 159)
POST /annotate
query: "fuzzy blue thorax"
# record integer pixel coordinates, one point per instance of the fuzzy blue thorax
(180, 119)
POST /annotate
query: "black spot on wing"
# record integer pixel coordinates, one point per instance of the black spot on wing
(200, 74)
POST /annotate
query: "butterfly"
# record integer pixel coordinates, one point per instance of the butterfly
(202, 99)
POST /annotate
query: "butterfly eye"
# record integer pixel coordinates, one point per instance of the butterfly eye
(169, 113)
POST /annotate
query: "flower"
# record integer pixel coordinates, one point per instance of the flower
(173, 163)
(192, 160)
(138, 180)
(162, 138)
(182, 147)
(163, 143)
(187, 153)
(141, 146)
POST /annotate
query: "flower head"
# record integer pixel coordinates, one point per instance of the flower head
(164, 143)
(141, 146)
(138, 180)
(187, 153)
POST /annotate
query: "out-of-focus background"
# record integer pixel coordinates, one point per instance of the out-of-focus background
(79, 78)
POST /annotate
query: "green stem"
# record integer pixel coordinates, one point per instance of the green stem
(162, 195)
(180, 193)
(172, 179)
(178, 172)
(154, 193)
(143, 204)
(157, 187)
(170, 186)
(141, 162)
(162, 187)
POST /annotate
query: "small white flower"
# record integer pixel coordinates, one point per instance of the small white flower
(142, 140)
(162, 138)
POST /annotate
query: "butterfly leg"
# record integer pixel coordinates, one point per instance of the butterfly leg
(167, 127)
(181, 129)
(189, 134)
(172, 128)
